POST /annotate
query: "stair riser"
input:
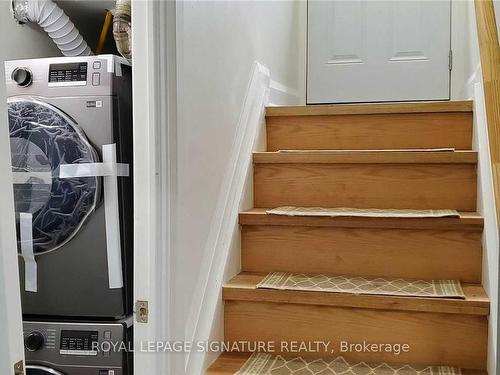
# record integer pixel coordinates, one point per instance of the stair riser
(416, 186)
(434, 338)
(370, 131)
(370, 252)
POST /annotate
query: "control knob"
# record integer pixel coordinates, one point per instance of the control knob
(22, 76)
(34, 341)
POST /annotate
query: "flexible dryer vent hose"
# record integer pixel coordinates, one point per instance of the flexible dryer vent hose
(122, 29)
(55, 22)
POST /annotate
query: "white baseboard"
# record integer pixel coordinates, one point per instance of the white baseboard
(486, 206)
(206, 300)
(468, 91)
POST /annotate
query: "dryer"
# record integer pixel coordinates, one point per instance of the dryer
(70, 125)
(70, 348)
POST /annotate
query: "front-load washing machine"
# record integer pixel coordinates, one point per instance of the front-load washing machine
(70, 125)
(64, 348)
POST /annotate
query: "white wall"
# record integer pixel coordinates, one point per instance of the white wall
(27, 41)
(218, 43)
(21, 41)
(465, 49)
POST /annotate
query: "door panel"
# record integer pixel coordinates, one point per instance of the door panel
(408, 42)
(368, 51)
(346, 43)
(43, 138)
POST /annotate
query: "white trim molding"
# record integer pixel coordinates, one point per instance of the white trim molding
(224, 227)
(154, 128)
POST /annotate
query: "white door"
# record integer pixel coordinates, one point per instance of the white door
(370, 51)
(11, 344)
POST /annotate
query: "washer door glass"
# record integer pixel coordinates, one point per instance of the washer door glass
(41, 139)
(41, 370)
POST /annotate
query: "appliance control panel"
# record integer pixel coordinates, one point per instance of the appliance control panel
(68, 74)
(79, 342)
(55, 77)
(79, 348)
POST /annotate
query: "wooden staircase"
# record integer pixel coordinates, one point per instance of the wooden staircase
(361, 173)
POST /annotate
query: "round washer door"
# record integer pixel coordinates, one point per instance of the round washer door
(41, 370)
(42, 138)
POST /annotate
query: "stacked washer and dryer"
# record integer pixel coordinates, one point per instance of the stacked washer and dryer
(70, 122)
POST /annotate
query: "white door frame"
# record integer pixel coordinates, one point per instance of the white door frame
(154, 129)
(11, 325)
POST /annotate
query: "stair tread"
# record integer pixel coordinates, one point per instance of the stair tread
(368, 157)
(343, 109)
(230, 363)
(466, 221)
(244, 287)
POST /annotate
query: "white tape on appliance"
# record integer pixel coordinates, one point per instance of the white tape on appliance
(109, 169)
(32, 177)
(30, 267)
(114, 63)
(93, 169)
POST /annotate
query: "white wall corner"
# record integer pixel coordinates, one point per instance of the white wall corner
(486, 207)
(469, 89)
(221, 252)
(284, 95)
(465, 47)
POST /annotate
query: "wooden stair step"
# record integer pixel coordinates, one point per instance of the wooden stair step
(444, 331)
(427, 248)
(419, 180)
(243, 287)
(371, 126)
(231, 363)
(228, 363)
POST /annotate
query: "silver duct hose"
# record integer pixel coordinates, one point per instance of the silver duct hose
(55, 22)
(122, 28)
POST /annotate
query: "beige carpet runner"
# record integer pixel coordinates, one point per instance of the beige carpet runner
(361, 285)
(359, 212)
(268, 364)
(444, 149)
